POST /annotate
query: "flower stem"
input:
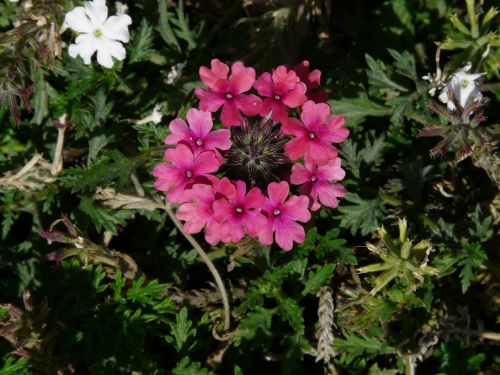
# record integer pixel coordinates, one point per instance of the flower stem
(203, 255)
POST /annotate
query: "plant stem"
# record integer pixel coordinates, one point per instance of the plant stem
(472, 18)
(208, 262)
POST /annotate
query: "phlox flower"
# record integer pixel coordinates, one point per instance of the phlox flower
(314, 133)
(183, 171)
(98, 33)
(198, 134)
(283, 90)
(239, 212)
(228, 92)
(283, 215)
(312, 80)
(316, 182)
(462, 87)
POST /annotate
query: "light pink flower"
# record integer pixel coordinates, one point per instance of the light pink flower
(239, 211)
(198, 212)
(282, 90)
(283, 215)
(183, 171)
(228, 92)
(198, 135)
(312, 80)
(315, 133)
(315, 181)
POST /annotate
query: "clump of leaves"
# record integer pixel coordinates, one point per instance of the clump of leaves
(400, 259)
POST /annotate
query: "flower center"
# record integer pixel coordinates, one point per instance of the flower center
(97, 33)
(239, 210)
(464, 82)
(199, 142)
(189, 174)
(314, 178)
(312, 135)
(277, 97)
(276, 212)
(229, 95)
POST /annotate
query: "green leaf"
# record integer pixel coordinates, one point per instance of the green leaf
(41, 96)
(351, 157)
(12, 367)
(164, 27)
(357, 109)
(181, 330)
(142, 43)
(405, 64)
(372, 152)
(104, 218)
(362, 215)
(378, 77)
(405, 15)
(354, 346)
(290, 311)
(320, 276)
(186, 367)
(472, 260)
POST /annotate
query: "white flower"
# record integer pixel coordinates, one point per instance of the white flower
(154, 117)
(462, 87)
(175, 73)
(121, 8)
(98, 33)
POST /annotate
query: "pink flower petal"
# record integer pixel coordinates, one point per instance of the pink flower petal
(296, 97)
(296, 208)
(254, 198)
(331, 171)
(220, 139)
(321, 109)
(242, 78)
(181, 156)
(205, 163)
(248, 104)
(264, 85)
(209, 101)
(194, 222)
(320, 153)
(287, 234)
(213, 233)
(218, 71)
(278, 192)
(254, 222)
(200, 122)
(300, 175)
(293, 126)
(296, 148)
(328, 194)
(284, 80)
(230, 115)
(165, 175)
(178, 131)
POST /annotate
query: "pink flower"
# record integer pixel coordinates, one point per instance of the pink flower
(198, 135)
(283, 216)
(183, 171)
(315, 181)
(239, 212)
(312, 81)
(228, 92)
(282, 90)
(315, 133)
(198, 212)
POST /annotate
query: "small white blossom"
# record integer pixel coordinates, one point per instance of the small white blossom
(98, 33)
(175, 73)
(155, 117)
(462, 87)
(121, 8)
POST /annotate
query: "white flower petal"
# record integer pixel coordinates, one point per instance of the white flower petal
(78, 21)
(85, 47)
(116, 27)
(443, 96)
(117, 50)
(97, 11)
(104, 54)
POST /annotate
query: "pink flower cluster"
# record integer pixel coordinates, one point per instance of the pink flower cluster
(193, 174)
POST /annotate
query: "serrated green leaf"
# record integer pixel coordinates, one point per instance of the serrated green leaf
(362, 215)
(357, 109)
(142, 43)
(320, 276)
(377, 75)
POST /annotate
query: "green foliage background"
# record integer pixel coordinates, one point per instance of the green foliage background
(125, 293)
